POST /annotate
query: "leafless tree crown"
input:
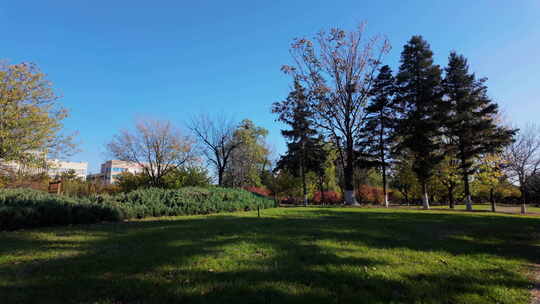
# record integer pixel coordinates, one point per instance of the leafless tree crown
(157, 146)
(216, 140)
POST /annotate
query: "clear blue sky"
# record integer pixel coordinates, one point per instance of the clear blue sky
(114, 61)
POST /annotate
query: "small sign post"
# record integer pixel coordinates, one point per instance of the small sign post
(55, 187)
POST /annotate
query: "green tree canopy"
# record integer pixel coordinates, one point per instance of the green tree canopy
(250, 158)
(30, 115)
(470, 124)
(419, 97)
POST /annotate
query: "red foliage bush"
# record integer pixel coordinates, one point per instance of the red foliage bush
(370, 195)
(330, 197)
(259, 190)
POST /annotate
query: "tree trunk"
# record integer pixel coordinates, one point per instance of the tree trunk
(523, 200)
(304, 186)
(468, 200)
(492, 200)
(451, 197)
(383, 160)
(220, 177)
(321, 189)
(385, 191)
(406, 193)
(348, 174)
(425, 197)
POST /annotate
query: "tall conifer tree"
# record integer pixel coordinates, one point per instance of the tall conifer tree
(419, 97)
(376, 135)
(470, 124)
(303, 150)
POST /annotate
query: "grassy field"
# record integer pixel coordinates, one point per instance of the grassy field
(289, 255)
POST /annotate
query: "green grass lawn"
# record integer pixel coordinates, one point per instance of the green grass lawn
(289, 255)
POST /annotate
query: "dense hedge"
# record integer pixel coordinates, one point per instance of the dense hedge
(188, 201)
(25, 208)
(20, 208)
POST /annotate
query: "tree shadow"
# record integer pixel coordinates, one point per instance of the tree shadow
(279, 259)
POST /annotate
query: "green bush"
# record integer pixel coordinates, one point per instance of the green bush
(25, 208)
(188, 201)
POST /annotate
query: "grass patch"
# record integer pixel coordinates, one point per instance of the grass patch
(289, 255)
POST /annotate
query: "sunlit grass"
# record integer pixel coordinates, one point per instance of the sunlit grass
(308, 255)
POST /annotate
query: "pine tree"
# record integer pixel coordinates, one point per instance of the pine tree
(376, 135)
(419, 97)
(304, 152)
(471, 124)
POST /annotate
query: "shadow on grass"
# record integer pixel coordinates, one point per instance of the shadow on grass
(278, 259)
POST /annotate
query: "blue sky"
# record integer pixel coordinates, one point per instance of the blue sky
(115, 61)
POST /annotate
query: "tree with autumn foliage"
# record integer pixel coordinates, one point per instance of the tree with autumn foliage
(447, 173)
(489, 175)
(30, 117)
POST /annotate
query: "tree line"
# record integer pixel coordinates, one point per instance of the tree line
(423, 118)
(422, 130)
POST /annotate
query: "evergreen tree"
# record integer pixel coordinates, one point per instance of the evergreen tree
(419, 97)
(304, 151)
(376, 135)
(471, 125)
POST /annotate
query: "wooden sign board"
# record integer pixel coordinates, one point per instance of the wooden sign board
(55, 187)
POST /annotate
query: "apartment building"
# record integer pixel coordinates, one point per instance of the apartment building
(57, 168)
(54, 168)
(112, 168)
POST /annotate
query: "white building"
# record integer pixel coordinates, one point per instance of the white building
(111, 168)
(57, 167)
(54, 168)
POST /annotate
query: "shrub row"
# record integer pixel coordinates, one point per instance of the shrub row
(188, 201)
(26, 208)
(373, 195)
(328, 197)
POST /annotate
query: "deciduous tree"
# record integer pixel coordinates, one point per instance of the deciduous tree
(337, 69)
(30, 116)
(250, 159)
(522, 159)
(157, 146)
(217, 140)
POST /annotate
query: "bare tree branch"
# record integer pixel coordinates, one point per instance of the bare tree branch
(216, 140)
(157, 146)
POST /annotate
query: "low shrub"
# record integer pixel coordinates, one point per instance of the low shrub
(188, 201)
(375, 195)
(328, 197)
(259, 190)
(370, 195)
(25, 208)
